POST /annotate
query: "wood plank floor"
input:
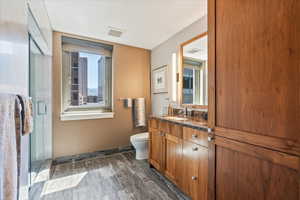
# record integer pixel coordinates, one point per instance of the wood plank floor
(115, 177)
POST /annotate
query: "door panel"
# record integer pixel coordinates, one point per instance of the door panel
(254, 99)
(257, 67)
(156, 150)
(176, 130)
(164, 126)
(153, 123)
(173, 158)
(247, 172)
(40, 91)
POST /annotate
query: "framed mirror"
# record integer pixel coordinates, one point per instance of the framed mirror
(193, 72)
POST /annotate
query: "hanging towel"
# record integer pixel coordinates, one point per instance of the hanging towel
(27, 114)
(10, 128)
(139, 112)
(19, 124)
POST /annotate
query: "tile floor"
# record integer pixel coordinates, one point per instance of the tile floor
(114, 177)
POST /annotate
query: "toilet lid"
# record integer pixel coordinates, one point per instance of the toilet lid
(140, 136)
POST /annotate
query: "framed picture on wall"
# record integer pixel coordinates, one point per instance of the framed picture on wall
(159, 80)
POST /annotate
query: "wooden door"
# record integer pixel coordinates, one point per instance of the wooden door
(254, 61)
(173, 158)
(195, 170)
(248, 172)
(157, 149)
(254, 98)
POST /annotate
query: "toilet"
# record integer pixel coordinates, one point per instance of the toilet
(140, 143)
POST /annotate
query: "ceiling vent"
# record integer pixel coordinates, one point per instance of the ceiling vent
(115, 32)
(194, 50)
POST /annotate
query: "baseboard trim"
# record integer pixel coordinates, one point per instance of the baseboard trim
(79, 157)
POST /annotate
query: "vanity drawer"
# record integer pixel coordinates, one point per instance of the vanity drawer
(163, 126)
(195, 136)
(176, 130)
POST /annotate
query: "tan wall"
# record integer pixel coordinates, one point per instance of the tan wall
(131, 79)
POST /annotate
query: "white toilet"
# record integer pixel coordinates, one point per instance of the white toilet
(140, 143)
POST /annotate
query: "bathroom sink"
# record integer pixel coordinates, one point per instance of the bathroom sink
(176, 118)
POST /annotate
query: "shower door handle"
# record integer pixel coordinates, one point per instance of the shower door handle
(41, 108)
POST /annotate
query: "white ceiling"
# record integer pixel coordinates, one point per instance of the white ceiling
(201, 44)
(146, 23)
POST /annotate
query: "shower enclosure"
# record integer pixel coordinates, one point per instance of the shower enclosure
(40, 90)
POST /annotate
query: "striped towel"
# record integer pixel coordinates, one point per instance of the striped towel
(10, 129)
(27, 114)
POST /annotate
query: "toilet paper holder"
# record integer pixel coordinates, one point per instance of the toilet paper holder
(127, 102)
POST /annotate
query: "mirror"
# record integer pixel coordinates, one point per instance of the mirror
(194, 72)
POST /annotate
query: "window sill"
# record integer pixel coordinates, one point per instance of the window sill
(85, 116)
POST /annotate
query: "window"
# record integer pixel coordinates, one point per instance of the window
(86, 79)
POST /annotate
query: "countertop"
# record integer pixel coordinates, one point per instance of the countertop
(202, 126)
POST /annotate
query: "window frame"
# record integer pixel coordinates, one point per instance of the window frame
(180, 74)
(83, 112)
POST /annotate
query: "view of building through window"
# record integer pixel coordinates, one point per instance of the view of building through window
(188, 85)
(88, 72)
(194, 82)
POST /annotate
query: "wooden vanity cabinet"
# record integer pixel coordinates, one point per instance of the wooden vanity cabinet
(181, 156)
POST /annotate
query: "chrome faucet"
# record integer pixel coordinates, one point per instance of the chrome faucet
(182, 111)
(186, 111)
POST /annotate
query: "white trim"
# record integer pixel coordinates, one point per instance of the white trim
(87, 106)
(113, 77)
(91, 50)
(69, 115)
(36, 33)
(174, 77)
(194, 90)
(85, 115)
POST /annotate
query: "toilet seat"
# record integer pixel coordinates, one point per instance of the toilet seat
(140, 137)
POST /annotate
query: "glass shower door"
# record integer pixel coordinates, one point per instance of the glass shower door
(39, 91)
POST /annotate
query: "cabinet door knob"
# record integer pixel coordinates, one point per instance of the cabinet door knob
(195, 148)
(194, 136)
(210, 138)
(194, 178)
